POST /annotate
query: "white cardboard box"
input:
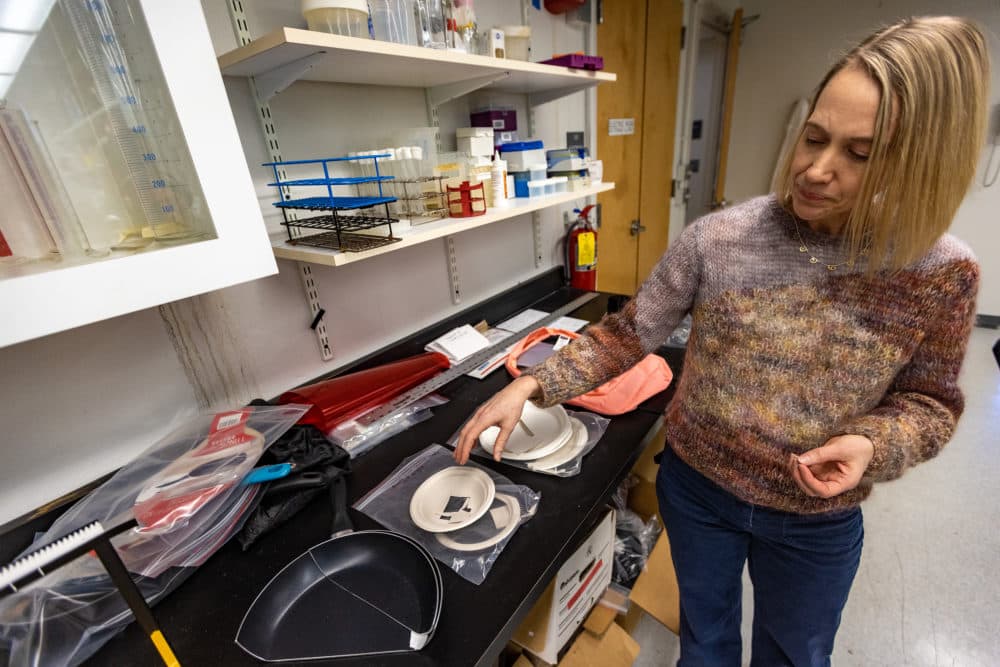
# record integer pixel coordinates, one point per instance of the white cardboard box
(570, 596)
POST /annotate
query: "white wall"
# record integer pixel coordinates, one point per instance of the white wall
(78, 404)
(785, 54)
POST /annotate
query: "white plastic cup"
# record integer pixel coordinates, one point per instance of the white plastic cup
(340, 17)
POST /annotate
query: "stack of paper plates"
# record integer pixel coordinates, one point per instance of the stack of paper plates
(538, 433)
(460, 504)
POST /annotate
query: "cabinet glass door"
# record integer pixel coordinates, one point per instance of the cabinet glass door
(123, 183)
(94, 160)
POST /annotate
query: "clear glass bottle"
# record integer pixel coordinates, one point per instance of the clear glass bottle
(436, 20)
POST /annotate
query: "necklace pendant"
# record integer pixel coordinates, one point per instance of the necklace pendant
(802, 248)
(813, 260)
(831, 267)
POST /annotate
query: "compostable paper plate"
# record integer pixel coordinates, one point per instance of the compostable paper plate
(539, 432)
(567, 452)
(492, 528)
(451, 499)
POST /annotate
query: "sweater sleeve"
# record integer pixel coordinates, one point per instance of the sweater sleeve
(918, 414)
(621, 340)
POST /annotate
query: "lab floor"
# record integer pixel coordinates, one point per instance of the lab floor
(928, 589)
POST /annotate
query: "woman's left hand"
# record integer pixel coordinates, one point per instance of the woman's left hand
(833, 468)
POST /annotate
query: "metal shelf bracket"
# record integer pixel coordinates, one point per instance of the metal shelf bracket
(276, 80)
(543, 97)
(438, 95)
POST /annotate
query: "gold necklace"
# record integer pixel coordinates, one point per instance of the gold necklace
(803, 248)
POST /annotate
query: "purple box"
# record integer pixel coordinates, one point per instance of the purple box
(501, 120)
(577, 61)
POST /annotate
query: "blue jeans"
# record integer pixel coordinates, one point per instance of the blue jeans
(801, 567)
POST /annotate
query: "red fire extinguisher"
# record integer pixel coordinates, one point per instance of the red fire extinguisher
(581, 251)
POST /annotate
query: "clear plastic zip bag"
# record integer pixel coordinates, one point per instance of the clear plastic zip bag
(188, 496)
(463, 515)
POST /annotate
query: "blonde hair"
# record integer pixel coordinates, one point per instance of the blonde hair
(928, 133)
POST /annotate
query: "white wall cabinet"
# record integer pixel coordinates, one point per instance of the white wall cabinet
(45, 297)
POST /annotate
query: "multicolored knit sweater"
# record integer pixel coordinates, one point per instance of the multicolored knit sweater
(785, 354)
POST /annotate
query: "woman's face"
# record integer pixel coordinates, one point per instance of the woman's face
(832, 154)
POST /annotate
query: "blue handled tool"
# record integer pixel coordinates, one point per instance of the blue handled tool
(267, 473)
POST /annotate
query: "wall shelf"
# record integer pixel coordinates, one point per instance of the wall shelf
(432, 230)
(371, 62)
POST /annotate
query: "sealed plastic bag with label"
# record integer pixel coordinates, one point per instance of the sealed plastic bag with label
(186, 494)
(463, 515)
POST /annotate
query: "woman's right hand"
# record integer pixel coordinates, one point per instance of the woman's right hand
(503, 410)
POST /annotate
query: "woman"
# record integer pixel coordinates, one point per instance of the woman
(830, 320)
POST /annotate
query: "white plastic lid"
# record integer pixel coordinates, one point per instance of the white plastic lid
(474, 132)
(356, 5)
(538, 184)
(558, 179)
(516, 30)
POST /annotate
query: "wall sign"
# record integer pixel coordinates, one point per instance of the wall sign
(620, 126)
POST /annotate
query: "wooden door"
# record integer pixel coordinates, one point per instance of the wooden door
(641, 42)
(664, 21)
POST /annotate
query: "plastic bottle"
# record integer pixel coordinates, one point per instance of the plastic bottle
(498, 181)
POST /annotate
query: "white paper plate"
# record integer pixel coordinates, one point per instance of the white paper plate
(504, 516)
(567, 452)
(451, 499)
(538, 433)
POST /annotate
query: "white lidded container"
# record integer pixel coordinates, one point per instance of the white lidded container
(537, 188)
(559, 184)
(538, 171)
(340, 17)
(475, 140)
(517, 41)
(522, 155)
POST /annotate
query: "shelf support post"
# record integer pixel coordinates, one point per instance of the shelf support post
(272, 79)
(456, 290)
(536, 236)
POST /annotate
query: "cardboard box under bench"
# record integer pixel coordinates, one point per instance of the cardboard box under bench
(655, 591)
(568, 598)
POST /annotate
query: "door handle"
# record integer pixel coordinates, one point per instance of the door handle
(635, 228)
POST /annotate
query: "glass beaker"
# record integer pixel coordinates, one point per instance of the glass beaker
(392, 21)
(430, 24)
(106, 122)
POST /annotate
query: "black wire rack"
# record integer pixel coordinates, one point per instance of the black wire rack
(340, 232)
(341, 227)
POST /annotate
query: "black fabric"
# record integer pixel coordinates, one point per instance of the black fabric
(319, 467)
